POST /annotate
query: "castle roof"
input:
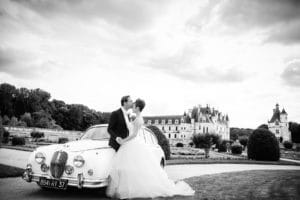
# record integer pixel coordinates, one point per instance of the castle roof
(276, 116)
(283, 111)
(164, 117)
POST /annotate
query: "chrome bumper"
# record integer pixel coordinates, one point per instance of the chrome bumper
(79, 182)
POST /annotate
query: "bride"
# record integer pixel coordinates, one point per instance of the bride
(135, 172)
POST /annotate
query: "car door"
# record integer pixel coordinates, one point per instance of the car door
(152, 142)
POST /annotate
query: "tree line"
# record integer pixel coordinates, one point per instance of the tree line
(238, 133)
(33, 108)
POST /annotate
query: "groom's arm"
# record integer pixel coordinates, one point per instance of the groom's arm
(112, 124)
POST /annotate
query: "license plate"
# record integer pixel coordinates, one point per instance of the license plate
(53, 183)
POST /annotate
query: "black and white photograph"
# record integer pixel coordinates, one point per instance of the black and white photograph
(150, 99)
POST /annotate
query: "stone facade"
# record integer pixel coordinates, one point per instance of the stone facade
(199, 120)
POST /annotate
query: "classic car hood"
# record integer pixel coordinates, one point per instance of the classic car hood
(80, 145)
(83, 145)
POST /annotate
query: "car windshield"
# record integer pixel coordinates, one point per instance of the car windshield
(96, 133)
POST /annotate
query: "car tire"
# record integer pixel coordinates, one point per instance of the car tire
(162, 163)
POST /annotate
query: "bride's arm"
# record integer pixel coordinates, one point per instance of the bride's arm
(134, 133)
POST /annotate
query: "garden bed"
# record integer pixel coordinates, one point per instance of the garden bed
(290, 154)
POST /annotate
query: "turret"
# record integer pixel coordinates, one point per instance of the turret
(283, 116)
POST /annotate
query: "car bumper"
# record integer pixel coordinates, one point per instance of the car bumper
(80, 181)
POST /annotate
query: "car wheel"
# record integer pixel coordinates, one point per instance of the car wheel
(162, 163)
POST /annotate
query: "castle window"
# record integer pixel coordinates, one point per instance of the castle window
(163, 121)
(169, 135)
(156, 121)
(149, 121)
(206, 129)
(176, 128)
(169, 128)
(203, 129)
(176, 121)
(175, 135)
(163, 128)
(277, 131)
(169, 121)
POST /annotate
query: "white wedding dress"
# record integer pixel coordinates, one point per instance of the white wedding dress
(135, 172)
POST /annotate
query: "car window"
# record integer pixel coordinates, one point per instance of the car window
(154, 139)
(96, 133)
(141, 135)
(148, 137)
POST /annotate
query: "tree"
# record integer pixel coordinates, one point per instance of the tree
(235, 133)
(1, 131)
(41, 119)
(13, 121)
(243, 140)
(295, 131)
(265, 126)
(203, 141)
(5, 120)
(263, 145)
(26, 117)
(7, 99)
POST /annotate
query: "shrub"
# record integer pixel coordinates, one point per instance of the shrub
(222, 147)
(243, 141)
(216, 139)
(263, 145)
(18, 140)
(36, 135)
(288, 144)
(5, 137)
(179, 144)
(202, 140)
(62, 140)
(162, 141)
(236, 149)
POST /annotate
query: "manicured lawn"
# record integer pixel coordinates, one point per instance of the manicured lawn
(9, 171)
(260, 184)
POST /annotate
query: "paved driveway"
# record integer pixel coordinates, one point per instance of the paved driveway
(19, 159)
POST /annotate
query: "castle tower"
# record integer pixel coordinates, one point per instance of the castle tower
(279, 124)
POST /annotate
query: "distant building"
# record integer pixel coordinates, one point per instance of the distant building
(279, 124)
(199, 120)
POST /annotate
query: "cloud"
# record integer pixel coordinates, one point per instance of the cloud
(23, 64)
(133, 15)
(291, 74)
(184, 66)
(274, 20)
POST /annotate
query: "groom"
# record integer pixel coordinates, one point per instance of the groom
(117, 127)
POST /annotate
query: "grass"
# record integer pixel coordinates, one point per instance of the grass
(9, 171)
(229, 161)
(254, 185)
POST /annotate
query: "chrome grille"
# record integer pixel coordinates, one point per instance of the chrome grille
(58, 163)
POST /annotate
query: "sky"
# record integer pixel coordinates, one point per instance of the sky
(238, 56)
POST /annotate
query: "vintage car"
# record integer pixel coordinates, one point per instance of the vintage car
(83, 163)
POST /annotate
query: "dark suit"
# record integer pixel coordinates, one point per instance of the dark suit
(117, 128)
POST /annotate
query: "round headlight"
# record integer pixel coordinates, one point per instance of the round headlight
(69, 169)
(78, 161)
(44, 167)
(40, 157)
